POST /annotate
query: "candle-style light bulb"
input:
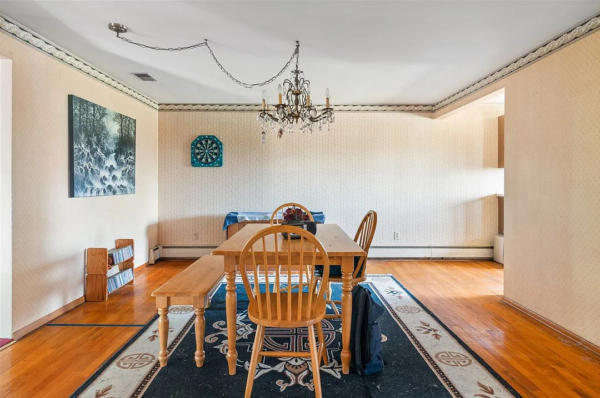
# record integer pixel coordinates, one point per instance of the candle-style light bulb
(280, 90)
(327, 97)
(264, 95)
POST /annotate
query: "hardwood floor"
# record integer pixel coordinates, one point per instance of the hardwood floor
(466, 295)
(54, 361)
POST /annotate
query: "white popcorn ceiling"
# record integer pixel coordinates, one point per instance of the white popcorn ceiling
(365, 52)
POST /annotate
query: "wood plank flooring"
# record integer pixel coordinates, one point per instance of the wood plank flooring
(466, 295)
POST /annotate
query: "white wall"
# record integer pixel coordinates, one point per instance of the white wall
(433, 181)
(5, 197)
(50, 230)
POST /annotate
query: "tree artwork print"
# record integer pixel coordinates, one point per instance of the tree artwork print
(101, 150)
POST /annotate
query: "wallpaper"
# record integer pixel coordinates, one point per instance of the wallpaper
(50, 230)
(552, 222)
(432, 181)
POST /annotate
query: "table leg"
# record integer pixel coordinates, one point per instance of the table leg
(200, 327)
(347, 270)
(231, 309)
(163, 329)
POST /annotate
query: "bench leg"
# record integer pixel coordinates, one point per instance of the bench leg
(200, 327)
(163, 335)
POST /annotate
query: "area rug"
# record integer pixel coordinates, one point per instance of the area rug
(422, 357)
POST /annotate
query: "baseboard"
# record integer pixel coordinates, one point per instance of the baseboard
(453, 252)
(175, 252)
(545, 321)
(44, 320)
(138, 269)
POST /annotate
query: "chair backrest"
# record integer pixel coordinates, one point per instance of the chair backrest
(268, 256)
(364, 237)
(275, 220)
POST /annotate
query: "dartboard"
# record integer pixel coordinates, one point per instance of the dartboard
(207, 151)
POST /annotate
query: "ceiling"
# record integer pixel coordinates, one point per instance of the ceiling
(366, 52)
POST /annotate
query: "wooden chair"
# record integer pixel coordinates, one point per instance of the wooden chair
(275, 220)
(364, 237)
(271, 307)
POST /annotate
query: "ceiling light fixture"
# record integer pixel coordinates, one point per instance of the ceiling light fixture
(297, 108)
(294, 106)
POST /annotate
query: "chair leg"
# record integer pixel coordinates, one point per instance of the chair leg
(322, 345)
(258, 341)
(314, 356)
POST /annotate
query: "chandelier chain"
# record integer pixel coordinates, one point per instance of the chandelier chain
(198, 45)
(260, 84)
(295, 54)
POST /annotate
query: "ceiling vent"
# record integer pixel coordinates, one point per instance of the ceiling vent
(145, 77)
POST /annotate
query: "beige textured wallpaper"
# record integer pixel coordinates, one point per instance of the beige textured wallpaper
(552, 223)
(50, 230)
(432, 181)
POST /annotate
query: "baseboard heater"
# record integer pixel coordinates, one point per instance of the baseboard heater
(408, 252)
(432, 252)
(168, 252)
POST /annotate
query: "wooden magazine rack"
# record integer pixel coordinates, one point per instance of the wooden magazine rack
(102, 278)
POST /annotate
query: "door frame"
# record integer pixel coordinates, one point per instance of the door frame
(6, 271)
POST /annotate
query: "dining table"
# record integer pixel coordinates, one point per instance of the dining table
(341, 250)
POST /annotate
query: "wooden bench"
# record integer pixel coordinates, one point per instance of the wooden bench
(192, 286)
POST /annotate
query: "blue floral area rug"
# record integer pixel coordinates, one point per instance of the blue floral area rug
(422, 358)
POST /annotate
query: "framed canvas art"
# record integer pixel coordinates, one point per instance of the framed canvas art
(101, 150)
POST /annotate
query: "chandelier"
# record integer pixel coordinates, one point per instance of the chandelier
(294, 106)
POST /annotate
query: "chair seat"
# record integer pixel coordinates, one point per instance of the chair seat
(253, 312)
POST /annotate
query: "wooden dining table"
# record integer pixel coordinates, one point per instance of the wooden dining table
(341, 250)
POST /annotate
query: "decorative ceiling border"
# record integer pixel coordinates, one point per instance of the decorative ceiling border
(257, 108)
(553, 45)
(44, 45)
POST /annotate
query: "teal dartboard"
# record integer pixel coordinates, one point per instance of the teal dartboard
(207, 151)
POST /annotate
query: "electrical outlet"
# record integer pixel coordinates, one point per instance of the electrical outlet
(396, 236)
(196, 236)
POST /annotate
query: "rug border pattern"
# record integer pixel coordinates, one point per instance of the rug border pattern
(417, 344)
(139, 391)
(112, 358)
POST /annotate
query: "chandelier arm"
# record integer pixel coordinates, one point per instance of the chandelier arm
(260, 84)
(323, 115)
(265, 113)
